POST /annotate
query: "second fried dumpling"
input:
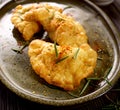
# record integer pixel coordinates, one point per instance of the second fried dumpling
(63, 29)
(62, 66)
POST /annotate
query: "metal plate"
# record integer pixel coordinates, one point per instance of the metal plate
(15, 69)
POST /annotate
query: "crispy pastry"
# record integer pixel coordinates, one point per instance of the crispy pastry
(27, 28)
(62, 66)
(61, 28)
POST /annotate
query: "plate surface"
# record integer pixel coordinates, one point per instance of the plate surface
(15, 69)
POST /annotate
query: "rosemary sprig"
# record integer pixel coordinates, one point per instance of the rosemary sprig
(106, 74)
(111, 100)
(67, 7)
(59, 60)
(85, 87)
(114, 104)
(73, 95)
(93, 78)
(20, 51)
(90, 79)
(109, 107)
(108, 82)
(76, 53)
(56, 50)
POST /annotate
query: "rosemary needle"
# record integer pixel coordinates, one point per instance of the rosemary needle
(107, 82)
(93, 78)
(85, 87)
(56, 53)
(114, 103)
(70, 93)
(67, 7)
(56, 50)
(59, 60)
(17, 51)
(89, 80)
(106, 74)
(76, 53)
(21, 49)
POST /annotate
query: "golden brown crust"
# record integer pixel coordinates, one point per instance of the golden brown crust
(66, 73)
(27, 28)
(73, 60)
(61, 28)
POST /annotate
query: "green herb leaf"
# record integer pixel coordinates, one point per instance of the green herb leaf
(55, 48)
(67, 7)
(76, 53)
(109, 107)
(59, 60)
(85, 87)
(115, 103)
(20, 51)
(73, 95)
(107, 81)
(93, 78)
(107, 72)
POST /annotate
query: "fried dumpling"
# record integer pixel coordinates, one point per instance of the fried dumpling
(26, 28)
(62, 66)
(61, 28)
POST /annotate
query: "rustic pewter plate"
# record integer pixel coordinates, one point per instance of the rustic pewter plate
(15, 69)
